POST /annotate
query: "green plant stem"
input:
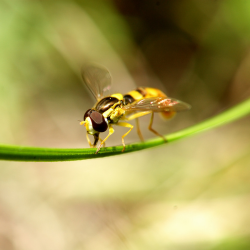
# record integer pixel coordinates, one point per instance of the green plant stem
(20, 153)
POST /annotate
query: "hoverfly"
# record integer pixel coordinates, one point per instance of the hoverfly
(116, 109)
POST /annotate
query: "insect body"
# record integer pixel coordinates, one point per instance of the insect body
(116, 109)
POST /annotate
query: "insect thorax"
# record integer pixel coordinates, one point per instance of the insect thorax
(105, 104)
(116, 115)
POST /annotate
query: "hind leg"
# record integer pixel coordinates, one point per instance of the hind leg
(152, 130)
(138, 130)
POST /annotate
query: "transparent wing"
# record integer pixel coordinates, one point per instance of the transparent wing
(158, 104)
(97, 79)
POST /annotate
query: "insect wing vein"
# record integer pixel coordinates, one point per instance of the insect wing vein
(97, 79)
(157, 104)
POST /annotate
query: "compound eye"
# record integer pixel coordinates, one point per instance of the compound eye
(98, 122)
(87, 114)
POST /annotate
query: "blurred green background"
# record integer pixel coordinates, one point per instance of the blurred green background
(193, 194)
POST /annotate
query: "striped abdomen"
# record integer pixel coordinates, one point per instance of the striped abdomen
(144, 92)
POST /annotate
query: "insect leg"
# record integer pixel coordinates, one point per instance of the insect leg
(127, 125)
(137, 115)
(111, 131)
(96, 138)
(103, 143)
(152, 130)
(138, 130)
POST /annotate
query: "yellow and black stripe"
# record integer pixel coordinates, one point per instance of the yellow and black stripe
(144, 92)
(141, 93)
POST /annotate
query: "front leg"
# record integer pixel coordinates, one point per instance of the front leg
(111, 131)
(96, 138)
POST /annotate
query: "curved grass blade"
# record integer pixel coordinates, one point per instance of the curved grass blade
(21, 153)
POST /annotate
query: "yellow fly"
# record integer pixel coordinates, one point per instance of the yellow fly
(117, 108)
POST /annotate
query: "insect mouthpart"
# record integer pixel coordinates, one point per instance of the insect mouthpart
(83, 123)
(94, 122)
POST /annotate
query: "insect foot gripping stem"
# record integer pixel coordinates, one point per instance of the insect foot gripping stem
(111, 131)
(152, 130)
(127, 125)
